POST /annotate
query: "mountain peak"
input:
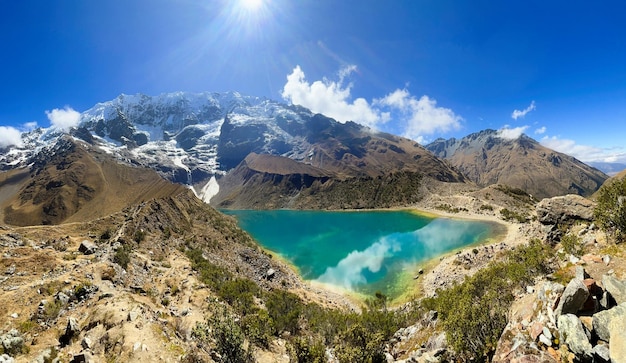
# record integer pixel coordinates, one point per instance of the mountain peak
(522, 162)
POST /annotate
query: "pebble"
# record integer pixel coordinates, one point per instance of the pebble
(14, 315)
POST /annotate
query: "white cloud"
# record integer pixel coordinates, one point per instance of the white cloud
(540, 131)
(585, 153)
(509, 133)
(415, 117)
(330, 98)
(10, 136)
(517, 113)
(63, 119)
(422, 116)
(30, 126)
(349, 271)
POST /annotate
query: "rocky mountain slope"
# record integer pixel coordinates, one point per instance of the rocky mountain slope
(487, 158)
(195, 139)
(169, 278)
(74, 182)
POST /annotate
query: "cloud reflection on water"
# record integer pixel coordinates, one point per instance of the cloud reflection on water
(436, 238)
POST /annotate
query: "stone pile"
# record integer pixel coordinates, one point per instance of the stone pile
(584, 321)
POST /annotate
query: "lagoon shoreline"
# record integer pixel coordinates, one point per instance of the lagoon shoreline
(437, 272)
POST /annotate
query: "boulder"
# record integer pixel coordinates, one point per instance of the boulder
(601, 353)
(573, 298)
(87, 247)
(565, 208)
(603, 319)
(617, 346)
(615, 287)
(71, 330)
(573, 334)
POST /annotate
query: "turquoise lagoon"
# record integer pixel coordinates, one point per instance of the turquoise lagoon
(361, 251)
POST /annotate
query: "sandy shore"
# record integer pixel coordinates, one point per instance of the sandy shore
(452, 267)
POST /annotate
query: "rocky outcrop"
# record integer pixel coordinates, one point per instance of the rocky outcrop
(564, 209)
(553, 213)
(573, 298)
(558, 323)
(573, 334)
(616, 288)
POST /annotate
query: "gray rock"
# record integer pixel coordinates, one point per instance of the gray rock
(133, 315)
(605, 302)
(12, 342)
(615, 287)
(606, 259)
(581, 274)
(564, 208)
(5, 358)
(270, 273)
(87, 247)
(601, 353)
(43, 356)
(62, 298)
(545, 340)
(573, 298)
(71, 330)
(10, 270)
(82, 357)
(602, 320)
(617, 345)
(547, 332)
(573, 334)
(86, 343)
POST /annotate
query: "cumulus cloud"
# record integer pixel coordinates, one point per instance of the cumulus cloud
(63, 118)
(585, 153)
(349, 271)
(422, 116)
(415, 117)
(517, 113)
(511, 133)
(10, 136)
(330, 98)
(540, 131)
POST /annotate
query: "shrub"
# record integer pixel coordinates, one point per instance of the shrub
(572, 244)
(122, 256)
(610, 211)
(258, 328)
(308, 350)
(284, 308)
(478, 307)
(509, 215)
(229, 340)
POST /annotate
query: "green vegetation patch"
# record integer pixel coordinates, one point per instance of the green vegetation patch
(474, 313)
(610, 212)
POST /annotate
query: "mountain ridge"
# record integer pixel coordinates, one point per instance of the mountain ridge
(487, 158)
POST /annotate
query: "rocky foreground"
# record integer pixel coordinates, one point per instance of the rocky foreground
(126, 288)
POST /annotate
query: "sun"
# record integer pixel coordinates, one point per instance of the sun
(250, 5)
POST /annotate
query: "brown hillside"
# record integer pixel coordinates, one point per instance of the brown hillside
(348, 167)
(75, 184)
(522, 163)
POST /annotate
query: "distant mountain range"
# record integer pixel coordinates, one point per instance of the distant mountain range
(487, 158)
(608, 168)
(219, 145)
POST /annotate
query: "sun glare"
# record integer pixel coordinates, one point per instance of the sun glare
(251, 5)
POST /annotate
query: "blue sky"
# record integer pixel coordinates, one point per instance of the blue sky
(419, 68)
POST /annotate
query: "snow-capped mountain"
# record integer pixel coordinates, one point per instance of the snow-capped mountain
(186, 137)
(193, 138)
